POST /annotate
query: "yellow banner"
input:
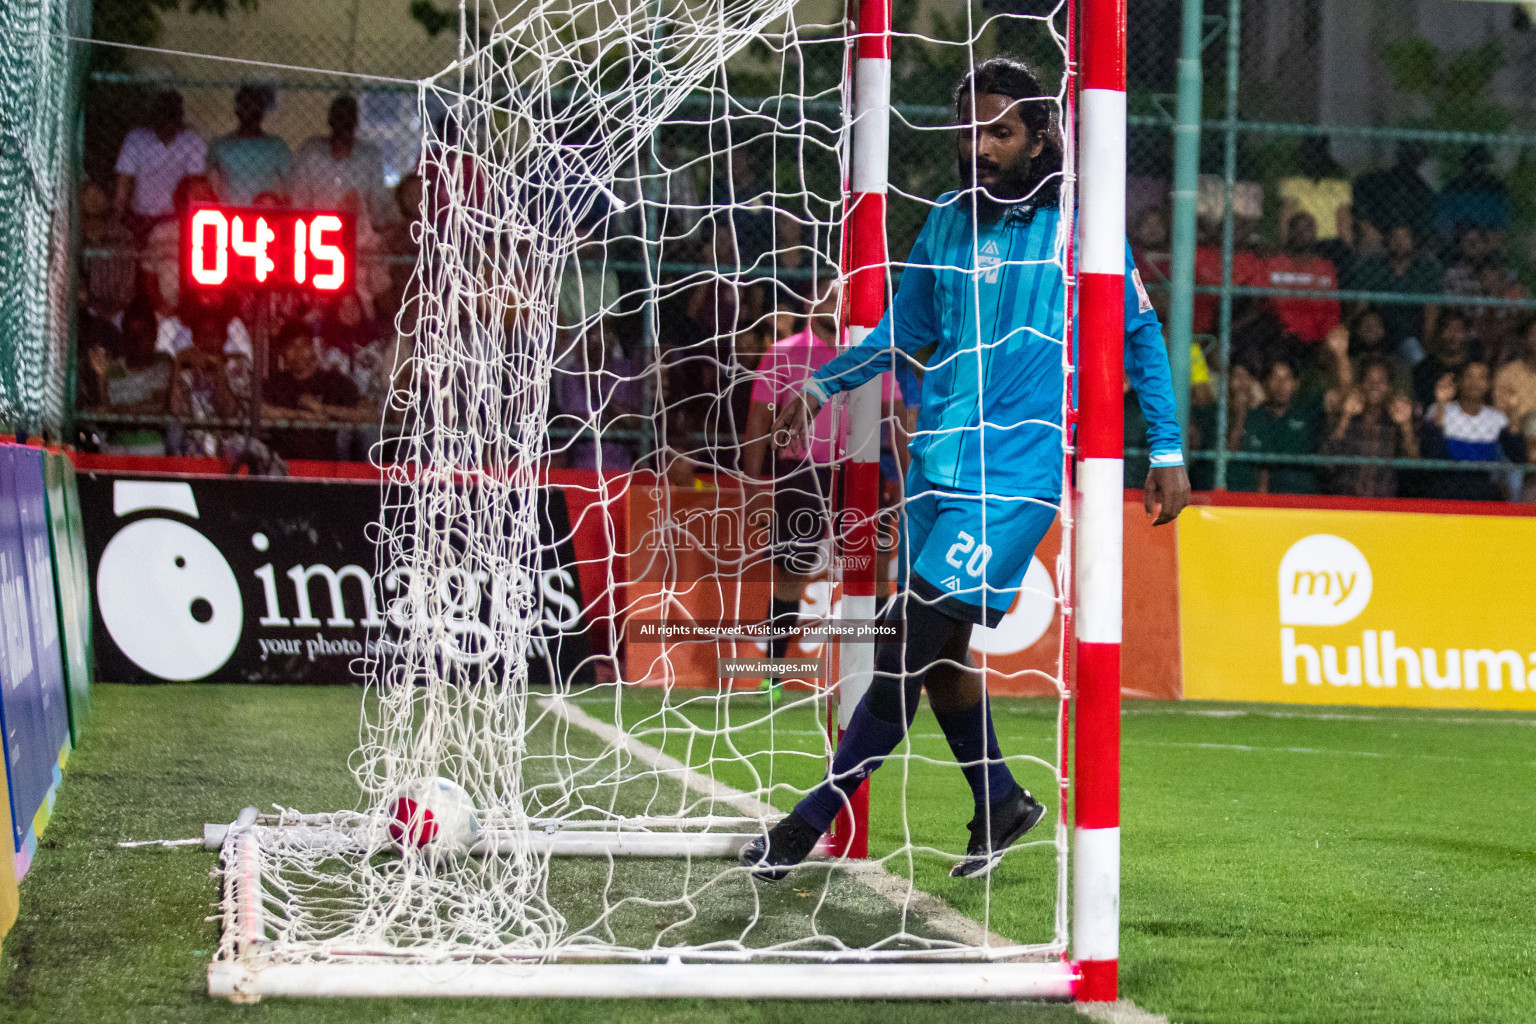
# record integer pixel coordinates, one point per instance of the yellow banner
(1321, 607)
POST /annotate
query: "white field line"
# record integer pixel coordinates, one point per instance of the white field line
(666, 764)
(1123, 1012)
(1327, 752)
(899, 891)
(1177, 709)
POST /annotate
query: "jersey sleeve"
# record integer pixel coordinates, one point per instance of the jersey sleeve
(908, 382)
(1146, 363)
(910, 324)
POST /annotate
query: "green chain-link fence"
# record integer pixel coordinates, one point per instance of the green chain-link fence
(40, 78)
(1363, 164)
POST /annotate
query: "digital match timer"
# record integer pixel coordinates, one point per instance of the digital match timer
(267, 248)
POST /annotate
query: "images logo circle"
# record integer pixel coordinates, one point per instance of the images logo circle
(1026, 622)
(169, 599)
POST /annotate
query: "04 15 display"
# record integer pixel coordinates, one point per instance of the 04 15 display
(268, 248)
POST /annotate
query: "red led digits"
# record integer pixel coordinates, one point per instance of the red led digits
(300, 250)
(325, 224)
(255, 247)
(201, 272)
(310, 250)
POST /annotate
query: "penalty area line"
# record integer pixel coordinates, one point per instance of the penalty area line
(899, 891)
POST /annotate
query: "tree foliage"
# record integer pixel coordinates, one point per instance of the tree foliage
(434, 21)
(1454, 88)
(140, 21)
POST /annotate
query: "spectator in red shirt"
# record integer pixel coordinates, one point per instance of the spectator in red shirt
(1298, 267)
(1247, 272)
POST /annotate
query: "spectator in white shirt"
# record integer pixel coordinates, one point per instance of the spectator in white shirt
(1460, 425)
(327, 167)
(150, 163)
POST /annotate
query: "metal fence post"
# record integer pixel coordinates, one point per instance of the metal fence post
(1229, 176)
(1186, 176)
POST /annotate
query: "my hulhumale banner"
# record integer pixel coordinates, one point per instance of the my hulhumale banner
(1324, 607)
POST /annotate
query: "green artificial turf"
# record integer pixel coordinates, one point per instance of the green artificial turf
(1279, 865)
(1362, 867)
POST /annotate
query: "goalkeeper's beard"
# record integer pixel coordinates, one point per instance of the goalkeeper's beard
(1011, 183)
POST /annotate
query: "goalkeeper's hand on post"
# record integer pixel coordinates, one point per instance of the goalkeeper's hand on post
(794, 422)
(1166, 493)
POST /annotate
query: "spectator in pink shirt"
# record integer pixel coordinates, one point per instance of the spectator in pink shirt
(800, 476)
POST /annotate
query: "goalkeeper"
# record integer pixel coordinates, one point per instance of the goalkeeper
(984, 290)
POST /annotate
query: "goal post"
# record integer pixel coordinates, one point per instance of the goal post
(1100, 261)
(867, 266)
(609, 816)
(1100, 258)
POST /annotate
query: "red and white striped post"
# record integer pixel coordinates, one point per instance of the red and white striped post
(865, 304)
(1100, 490)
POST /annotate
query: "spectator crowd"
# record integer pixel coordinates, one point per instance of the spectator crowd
(178, 369)
(1406, 371)
(163, 372)
(1409, 369)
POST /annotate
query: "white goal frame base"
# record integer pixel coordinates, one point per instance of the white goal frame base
(558, 842)
(239, 983)
(248, 966)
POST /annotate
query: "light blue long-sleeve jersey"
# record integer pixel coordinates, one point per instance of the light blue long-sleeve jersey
(992, 301)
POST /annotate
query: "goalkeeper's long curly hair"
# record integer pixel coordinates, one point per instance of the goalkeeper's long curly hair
(1016, 78)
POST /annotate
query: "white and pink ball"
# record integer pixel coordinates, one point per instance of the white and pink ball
(435, 817)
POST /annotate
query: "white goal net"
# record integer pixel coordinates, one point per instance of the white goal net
(630, 207)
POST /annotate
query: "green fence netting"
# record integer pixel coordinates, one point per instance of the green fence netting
(41, 72)
(1324, 128)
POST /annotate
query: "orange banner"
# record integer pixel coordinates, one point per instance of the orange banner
(696, 559)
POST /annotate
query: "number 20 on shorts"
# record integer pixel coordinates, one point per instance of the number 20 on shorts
(967, 545)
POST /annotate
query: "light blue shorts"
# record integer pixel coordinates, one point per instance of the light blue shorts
(967, 553)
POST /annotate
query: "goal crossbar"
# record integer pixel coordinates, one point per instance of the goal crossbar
(565, 841)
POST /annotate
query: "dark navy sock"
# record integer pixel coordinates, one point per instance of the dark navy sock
(974, 743)
(886, 710)
(783, 615)
(900, 667)
(867, 741)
